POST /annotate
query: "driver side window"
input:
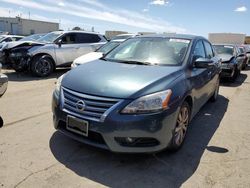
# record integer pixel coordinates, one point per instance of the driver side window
(199, 50)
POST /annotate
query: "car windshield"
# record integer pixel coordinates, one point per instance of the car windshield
(224, 49)
(50, 37)
(150, 51)
(32, 37)
(106, 48)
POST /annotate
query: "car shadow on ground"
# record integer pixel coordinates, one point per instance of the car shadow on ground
(165, 169)
(25, 76)
(238, 82)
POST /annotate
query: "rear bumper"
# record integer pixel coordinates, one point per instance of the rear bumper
(3, 84)
(152, 132)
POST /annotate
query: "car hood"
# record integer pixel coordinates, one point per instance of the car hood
(10, 45)
(88, 57)
(117, 80)
(225, 57)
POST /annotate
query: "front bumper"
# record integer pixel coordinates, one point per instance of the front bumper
(3, 84)
(152, 132)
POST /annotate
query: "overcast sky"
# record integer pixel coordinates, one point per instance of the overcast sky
(181, 16)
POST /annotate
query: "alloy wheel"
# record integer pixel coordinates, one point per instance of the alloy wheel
(182, 124)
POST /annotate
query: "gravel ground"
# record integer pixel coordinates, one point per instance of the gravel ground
(216, 152)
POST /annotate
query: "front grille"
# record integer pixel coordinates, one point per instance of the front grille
(95, 107)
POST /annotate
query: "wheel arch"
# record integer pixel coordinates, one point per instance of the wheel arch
(189, 100)
(43, 54)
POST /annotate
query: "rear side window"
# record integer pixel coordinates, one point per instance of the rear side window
(199, 50)
(88, 38)
(209, 50)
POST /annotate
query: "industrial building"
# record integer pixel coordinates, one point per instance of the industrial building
(227, 38)
(247, 40)
(21, 26)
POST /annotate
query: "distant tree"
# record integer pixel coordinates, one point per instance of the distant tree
(77, 28)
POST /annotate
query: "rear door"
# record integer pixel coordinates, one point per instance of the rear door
(86, 42)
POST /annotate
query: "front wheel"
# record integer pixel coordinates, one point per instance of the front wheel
(181, 127)
(235, 75)
(42, 66)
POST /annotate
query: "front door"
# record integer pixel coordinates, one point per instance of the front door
(67, 52)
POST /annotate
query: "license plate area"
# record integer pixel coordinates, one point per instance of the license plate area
(77, 125)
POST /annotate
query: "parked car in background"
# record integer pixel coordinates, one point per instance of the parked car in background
(7, 46)
(232, 60)
(100, 52)
(242, 50)
(141, 96)
(124, 36)
(247, 49)
(9, 38)
(3, 82)
(3, 88)
(56, 49)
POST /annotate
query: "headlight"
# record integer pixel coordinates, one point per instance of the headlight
(149, 103)
(58, 83)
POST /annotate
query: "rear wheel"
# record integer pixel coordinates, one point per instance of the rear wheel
(42, 66)
(181, 127)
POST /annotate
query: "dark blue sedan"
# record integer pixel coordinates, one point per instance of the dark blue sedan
(141, 96)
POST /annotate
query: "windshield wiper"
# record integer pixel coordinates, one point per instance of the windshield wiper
(136, 62)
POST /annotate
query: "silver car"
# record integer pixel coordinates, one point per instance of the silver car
(56, 49)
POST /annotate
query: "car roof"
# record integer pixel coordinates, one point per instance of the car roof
(118, 40)
(127, 34)
(223, 44)
(76, 31)
(11, 36)
(180, 36)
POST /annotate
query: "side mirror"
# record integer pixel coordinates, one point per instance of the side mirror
(202, 62)
(59, 42)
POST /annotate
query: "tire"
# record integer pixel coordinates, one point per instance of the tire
(216, 91)
(180, 130)
(42, 66)
(244, 66)
(1, 122)
(235, 75)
